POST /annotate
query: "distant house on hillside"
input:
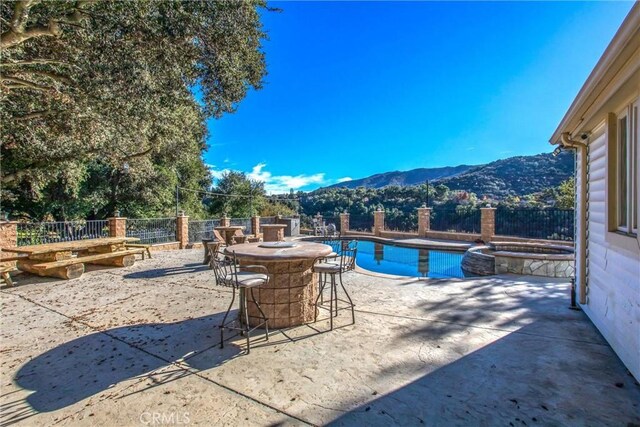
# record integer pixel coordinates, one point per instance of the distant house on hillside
(602, 125)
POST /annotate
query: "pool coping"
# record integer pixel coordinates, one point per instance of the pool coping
(413, 243)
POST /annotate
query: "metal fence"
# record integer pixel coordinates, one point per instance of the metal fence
(535, 223)
(202, 229)
(244, 222)
(36, 233)
(152, 231)
(267, 220)
(455, 220)
(407, 222)
(361, 222)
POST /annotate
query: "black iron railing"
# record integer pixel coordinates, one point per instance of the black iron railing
(244, 222)
(407, 222)
(202, 229)
(459, 219)
(358, 222)
(152, 231)
(36, 233)
(267, 220)
(535, 223)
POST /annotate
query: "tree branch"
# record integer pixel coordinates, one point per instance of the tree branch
(139, 154)
(33, 62)
(21, 14)
(52, 75)
(17, 33)
(24, 84)
(32, 115)
(12, 177)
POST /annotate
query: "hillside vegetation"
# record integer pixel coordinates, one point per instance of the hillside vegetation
(515, 176)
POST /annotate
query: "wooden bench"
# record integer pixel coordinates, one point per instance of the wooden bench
(72, 268)
(4, 273)
(13, 258)
(140, 245)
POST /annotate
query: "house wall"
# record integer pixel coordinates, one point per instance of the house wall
(613, 271)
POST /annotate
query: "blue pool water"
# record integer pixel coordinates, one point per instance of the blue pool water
(399, 261)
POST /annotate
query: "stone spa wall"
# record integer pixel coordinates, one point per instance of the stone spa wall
(520, 258)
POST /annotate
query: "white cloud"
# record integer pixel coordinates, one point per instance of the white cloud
(283, 183)
(345, 179)
(274, 183)
(258, 175)
(215, 173)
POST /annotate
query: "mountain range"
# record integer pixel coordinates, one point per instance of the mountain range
(514, 176)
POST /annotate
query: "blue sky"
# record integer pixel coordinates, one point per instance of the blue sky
(358, 88)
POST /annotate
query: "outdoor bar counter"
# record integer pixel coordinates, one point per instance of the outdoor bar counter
(289, 297)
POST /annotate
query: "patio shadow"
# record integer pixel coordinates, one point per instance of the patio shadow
(519, 379)
(164, 272)
(97, 362)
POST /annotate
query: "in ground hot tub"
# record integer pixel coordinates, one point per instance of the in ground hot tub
(536, 259)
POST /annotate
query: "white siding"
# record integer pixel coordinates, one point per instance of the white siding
(613, 293)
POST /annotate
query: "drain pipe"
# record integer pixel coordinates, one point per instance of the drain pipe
(581, 146)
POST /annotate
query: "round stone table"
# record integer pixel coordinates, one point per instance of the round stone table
(289, 297)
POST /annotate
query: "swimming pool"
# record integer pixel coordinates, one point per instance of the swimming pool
(400, 261)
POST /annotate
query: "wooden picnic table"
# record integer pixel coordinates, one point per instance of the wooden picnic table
(66, 260)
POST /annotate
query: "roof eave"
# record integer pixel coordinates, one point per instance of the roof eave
(624, 44)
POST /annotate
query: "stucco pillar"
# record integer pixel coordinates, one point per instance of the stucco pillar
(255, 225)
(182, 230)
(225, 221)
(8, 237)
(424, 221)
(378, 222)
(487, 223)
(344, 222)
(117, 226)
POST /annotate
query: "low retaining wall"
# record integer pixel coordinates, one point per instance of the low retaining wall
(509, 262)
(476, 262)
(520, 258)
(171, 246)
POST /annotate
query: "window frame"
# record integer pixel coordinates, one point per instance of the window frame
(629, 214)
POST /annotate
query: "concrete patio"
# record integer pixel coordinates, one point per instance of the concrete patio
(139, 346)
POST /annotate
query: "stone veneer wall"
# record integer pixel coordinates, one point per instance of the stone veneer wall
(476, 262)
(535, 260)
(289, 297)
(534, 267)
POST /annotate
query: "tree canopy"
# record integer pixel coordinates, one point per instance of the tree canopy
(97, 99)
(237, 196)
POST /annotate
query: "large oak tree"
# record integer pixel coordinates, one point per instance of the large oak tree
(97, 98)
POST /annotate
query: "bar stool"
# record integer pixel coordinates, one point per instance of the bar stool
(335, 266)
(228, 273)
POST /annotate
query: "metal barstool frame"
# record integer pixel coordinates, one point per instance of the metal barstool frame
(225, 268)
(347, 257)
